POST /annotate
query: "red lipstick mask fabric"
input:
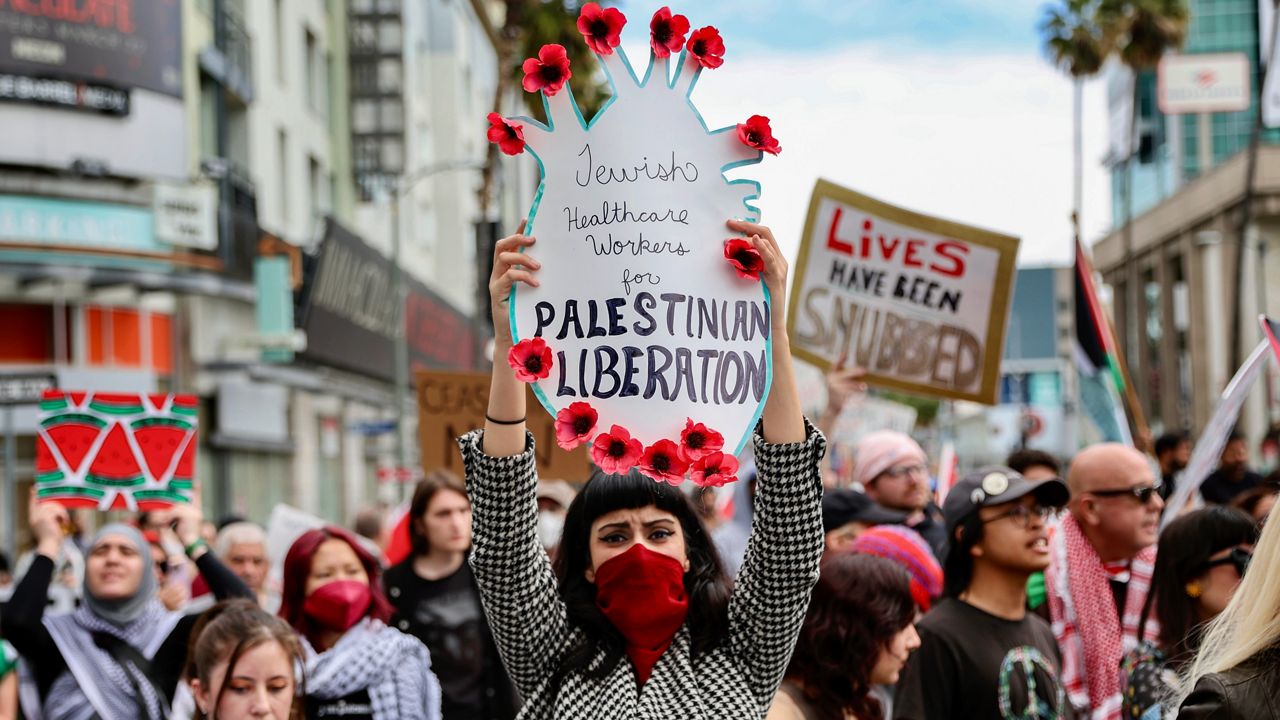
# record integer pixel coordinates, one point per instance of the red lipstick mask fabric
(642, 593)
(338, 605)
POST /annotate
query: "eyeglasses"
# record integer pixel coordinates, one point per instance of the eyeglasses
(905, 470)
(1142, 494)
(1021, 515)
(1239, 557)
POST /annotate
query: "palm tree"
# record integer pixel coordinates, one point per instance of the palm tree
(1075, 43)
(527, 26)
(1079, 36)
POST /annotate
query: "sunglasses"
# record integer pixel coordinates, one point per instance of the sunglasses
(1239, 557)
(1142, 494)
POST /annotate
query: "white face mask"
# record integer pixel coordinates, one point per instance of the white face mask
(550, 527)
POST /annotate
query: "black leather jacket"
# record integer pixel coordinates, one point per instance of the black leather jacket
(1247, 691)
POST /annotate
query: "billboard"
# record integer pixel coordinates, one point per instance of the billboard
(126, 43)
(1203, 83)
(351, 316)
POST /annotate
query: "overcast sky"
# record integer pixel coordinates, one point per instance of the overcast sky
(947, 107)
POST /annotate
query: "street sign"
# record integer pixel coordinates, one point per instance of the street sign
(25, 389)
(1203, 83)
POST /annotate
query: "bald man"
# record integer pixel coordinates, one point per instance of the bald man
(1095, 597)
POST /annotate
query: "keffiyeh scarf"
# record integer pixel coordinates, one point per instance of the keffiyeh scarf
(393, 667)
(1078, 588)
(96, 685)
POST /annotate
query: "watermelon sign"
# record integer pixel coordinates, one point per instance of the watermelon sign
(116, 451)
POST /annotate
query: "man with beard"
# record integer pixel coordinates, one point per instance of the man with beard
(1173, 452)
(893, 471)
(1233, 475)
(982, 655)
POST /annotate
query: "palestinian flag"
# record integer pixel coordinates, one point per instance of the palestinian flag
(1097, 357)
(1272, 329)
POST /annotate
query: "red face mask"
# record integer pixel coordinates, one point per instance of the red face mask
(642, 593)
(338, 605)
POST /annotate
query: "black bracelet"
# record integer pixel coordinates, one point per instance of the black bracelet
(496, 421)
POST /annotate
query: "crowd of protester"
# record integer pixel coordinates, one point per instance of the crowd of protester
(810, 589)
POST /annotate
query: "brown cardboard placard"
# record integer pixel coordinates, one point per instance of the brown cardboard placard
(919, 302)
(453, 403)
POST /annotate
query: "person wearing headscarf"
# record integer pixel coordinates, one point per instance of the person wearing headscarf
(120, 654)
(893, 470)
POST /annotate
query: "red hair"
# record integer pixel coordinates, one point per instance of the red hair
(297, 567)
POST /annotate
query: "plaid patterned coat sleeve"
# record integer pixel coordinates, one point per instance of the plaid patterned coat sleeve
(781, 566)
(517, 586)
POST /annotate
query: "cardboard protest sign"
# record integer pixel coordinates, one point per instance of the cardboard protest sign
(453, 403)
(116, 451)
(643, 317)
(920, 303)
(1207, 452)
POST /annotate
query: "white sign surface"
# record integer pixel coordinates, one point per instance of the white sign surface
(1208, 450)
(918, 302)
(1203, 83)
(646, 319)
(186, 215)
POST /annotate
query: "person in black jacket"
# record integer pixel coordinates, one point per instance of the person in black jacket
(436, 600)
(121, 654)
(1237, 670)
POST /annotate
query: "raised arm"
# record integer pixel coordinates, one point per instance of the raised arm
(21, 620)
(781, 564)
(186, 521)
(517, 585)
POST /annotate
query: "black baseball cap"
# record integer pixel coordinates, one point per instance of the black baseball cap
(841, 507)
(995, 486)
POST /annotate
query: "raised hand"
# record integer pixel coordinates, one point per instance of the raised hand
(48, 522)
(510, 266)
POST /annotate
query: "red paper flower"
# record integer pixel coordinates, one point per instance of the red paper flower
(548, 72)
(697, 441)
(601, 28)
(666, 32)
(575, 424)
(714, 470)
(531, 359)
(743, 257)
(756, 133)
(707, 47)
(662, 462)
(616, 451)
(509, 136)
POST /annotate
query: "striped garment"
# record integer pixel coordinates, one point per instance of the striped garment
(736, 679)
(1083, 611)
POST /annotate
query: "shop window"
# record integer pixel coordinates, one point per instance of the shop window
(28, 334)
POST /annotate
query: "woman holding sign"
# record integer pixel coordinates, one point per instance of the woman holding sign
(644, 622)
(120, 654)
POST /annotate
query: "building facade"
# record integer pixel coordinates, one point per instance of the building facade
(141, 189)
(1173, 268)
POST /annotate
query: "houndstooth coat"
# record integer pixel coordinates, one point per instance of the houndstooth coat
(737, 679)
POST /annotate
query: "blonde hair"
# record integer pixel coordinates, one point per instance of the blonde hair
(1251, 622)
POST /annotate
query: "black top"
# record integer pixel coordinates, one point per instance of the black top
(974, 665)
(1245, 692)
(21, 623)
(446, 616)
(1220, 488)
(355, 706)
(934, 531)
